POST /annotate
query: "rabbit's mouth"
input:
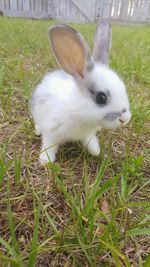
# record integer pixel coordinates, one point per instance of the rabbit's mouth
(116, 119)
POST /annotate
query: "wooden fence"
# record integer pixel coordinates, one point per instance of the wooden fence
(78, 10)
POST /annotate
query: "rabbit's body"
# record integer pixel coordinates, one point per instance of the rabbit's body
(50, 98)
(62, 112)
(59, 105)
(74, 107)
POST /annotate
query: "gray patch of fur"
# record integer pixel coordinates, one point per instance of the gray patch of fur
(38, 99)
(90, 65)
(112, 116)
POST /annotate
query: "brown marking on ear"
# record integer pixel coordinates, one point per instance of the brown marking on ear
(69, 49)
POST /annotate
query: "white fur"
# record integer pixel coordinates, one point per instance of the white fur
(64, 110)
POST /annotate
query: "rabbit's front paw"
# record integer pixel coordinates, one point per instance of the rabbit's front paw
(46, 157)
(94, 149)
(92, 144)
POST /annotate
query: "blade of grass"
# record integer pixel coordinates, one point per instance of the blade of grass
(85, 180)
(85, 251)
(51, 223)
(123, 187)
(139, 204)
(90, 198)
(17, 167)
(147, 261)
(147, 218)
(34, 245)
(4, 167)
(11, 226)
(69, 198)
(94, 197)
(113, 249)
(8, 260)
(11, 251)
(137, 231)
(4, 163)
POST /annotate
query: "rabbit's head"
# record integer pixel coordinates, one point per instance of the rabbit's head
(92, 74)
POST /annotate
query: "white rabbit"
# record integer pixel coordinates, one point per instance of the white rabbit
(83, 98)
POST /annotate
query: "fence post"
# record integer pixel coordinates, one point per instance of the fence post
(116, 8)
(98, 9)
(51, 10)
(148, 13)
(2, 4)
(26, 5)
(124, 10)
(32, 5)
(106, 9)
(7, 4)
(144, 11)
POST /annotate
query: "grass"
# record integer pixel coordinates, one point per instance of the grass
(80, 211)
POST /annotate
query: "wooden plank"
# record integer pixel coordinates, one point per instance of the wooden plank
(25, 14)
(106, 9)
(119, 7)
(6, 4)
(135, 11)
(66, 10)
(32, 5)
(51, 9)
(55, 9)
(26, 5)
(2, 6)
(115, 7)
(130, 9)
(99, 9)
(40, 6)
(123, 10)
(138, 12)
(63, 9)
(144, 11)
(81, 10)
(13, 4)
(36, 6)
(90, 8)
(148, 12)
(45, 5)
(111, 7)
(20, 5)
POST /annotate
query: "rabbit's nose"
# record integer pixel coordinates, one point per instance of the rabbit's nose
(124, 121)
(124, 118)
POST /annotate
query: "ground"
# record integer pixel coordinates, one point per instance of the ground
(80, 211)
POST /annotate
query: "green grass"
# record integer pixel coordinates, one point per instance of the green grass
(80, 211)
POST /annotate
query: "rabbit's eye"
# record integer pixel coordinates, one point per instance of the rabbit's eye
(101, 98)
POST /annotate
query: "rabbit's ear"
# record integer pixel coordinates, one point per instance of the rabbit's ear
(70, 49)
(102, 42)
